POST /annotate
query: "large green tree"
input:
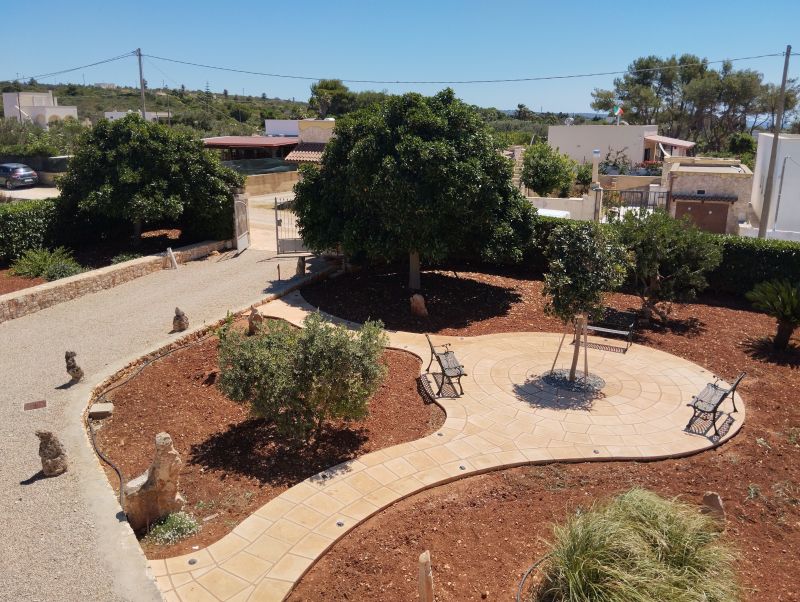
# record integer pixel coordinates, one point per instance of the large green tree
(137, 171)
(416, 176)
(330, 97)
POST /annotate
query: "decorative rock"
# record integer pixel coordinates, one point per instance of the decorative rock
(52, 453)
(301, 266)
(418, 306)
(154, 493)
(73, 369)
(712, 504)
(101, 410)
(180, 322)
(254, 321)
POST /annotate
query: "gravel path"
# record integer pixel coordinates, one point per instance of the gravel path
(63, 538)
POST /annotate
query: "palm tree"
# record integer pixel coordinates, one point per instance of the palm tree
(781, 300)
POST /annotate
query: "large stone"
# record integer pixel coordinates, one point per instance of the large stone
(418, 306)
(101, 410)
(254, 321)
(73, 369)
(154, 493)
(52, 454)
(712, 505)
(300, 270)
(180, 322)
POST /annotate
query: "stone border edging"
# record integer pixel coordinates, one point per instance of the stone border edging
(30, 300)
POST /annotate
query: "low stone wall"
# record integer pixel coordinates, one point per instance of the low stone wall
(270, 183)
(627, 182)
(30, 300)
(580, 208)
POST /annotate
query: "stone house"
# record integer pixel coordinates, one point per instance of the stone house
(714, 193)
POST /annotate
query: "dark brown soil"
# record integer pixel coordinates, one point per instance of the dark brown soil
(10, 283)
(483, 532)
(233, 464)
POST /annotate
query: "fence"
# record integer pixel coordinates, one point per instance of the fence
(286, 230)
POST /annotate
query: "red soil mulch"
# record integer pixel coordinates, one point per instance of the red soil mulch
(484, 531)
(233, 464)
(10, 283)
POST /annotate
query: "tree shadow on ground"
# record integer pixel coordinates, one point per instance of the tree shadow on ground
(554, 393)
(762, 349)
(688, 327)
(452, 302)
(255, 449)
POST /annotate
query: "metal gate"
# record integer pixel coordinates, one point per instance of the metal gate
(241, 222)
(286, 231)
(634, 199)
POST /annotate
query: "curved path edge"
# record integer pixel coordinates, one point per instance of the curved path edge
(505, 419)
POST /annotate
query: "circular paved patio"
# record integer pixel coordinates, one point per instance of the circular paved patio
(507, 416)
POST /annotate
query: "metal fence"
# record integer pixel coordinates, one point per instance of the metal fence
(634, 199)
(286, 231)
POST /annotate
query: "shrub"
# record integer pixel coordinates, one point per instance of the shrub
(748, 261)
(43, 263)
(26, 225)
(638, 548)
(583, 176)
(301, 378)
(545, 170)
(123, 257)
(172, 528)
(670, 258)
(781, 300)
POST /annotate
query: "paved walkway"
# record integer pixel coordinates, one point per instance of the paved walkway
(61, 538)
(508, 416)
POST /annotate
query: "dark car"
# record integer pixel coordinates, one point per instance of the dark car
(13, 175)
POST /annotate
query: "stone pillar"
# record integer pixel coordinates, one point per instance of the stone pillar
(596, 166)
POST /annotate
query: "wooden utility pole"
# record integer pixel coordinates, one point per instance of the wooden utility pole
(776, 133)
(141, 82)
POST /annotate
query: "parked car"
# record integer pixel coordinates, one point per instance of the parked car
(13, 175)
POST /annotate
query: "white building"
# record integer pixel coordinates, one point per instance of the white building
(37, 107)
(638, 142)
(784, 215)
(282, 127)
(148, 115)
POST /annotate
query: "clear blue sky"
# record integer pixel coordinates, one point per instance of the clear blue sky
(400, 40)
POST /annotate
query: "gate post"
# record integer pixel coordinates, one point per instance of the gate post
(241, 219)
(598, 202)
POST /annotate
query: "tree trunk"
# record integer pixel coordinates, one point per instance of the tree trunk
(580, 320)
(781, 340)
(137, 230)
(413, 271)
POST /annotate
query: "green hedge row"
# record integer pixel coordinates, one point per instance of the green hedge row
(27, 225)
(745, 261)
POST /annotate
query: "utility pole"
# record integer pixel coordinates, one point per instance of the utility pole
(141, 82)
(776, 133)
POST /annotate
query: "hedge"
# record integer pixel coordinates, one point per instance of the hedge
(745, 261)
(26, 225)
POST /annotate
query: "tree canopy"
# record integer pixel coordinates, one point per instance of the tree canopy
(689, 99)
(545, 170)
(137, 171)
(414, 175)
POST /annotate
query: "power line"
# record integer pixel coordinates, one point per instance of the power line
(44, 75)
(466, 81)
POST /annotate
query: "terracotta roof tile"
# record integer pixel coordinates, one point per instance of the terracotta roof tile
(306, 152)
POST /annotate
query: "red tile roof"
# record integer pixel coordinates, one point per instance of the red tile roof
(250, 141)
(306, 152)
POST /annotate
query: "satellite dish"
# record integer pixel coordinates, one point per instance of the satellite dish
(569, 121)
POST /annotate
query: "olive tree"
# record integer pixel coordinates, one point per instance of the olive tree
(545, 170)
(670, 258)
(136, 171)
(583, 264)
(299, 379)
(414, 176)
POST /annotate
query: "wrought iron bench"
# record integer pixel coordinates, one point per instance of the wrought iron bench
(451, 368)
(613, 322)
(707, 403)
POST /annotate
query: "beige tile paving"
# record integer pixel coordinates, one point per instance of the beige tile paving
(506, 417)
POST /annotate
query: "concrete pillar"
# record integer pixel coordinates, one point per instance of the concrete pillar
(596, 166)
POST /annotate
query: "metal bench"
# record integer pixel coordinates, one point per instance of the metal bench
(613, 322)
(451, 368)
(708, 401)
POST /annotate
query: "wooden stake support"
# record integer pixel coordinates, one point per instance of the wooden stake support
(425, 577)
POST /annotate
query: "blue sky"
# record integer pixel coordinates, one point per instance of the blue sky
(402, 40)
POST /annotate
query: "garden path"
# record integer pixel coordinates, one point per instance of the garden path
(508, 416)
(63, 538)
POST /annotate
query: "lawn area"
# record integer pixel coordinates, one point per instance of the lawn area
(232, 463)
(484, 531)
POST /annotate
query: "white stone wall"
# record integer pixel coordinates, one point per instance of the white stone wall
(578, 141)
